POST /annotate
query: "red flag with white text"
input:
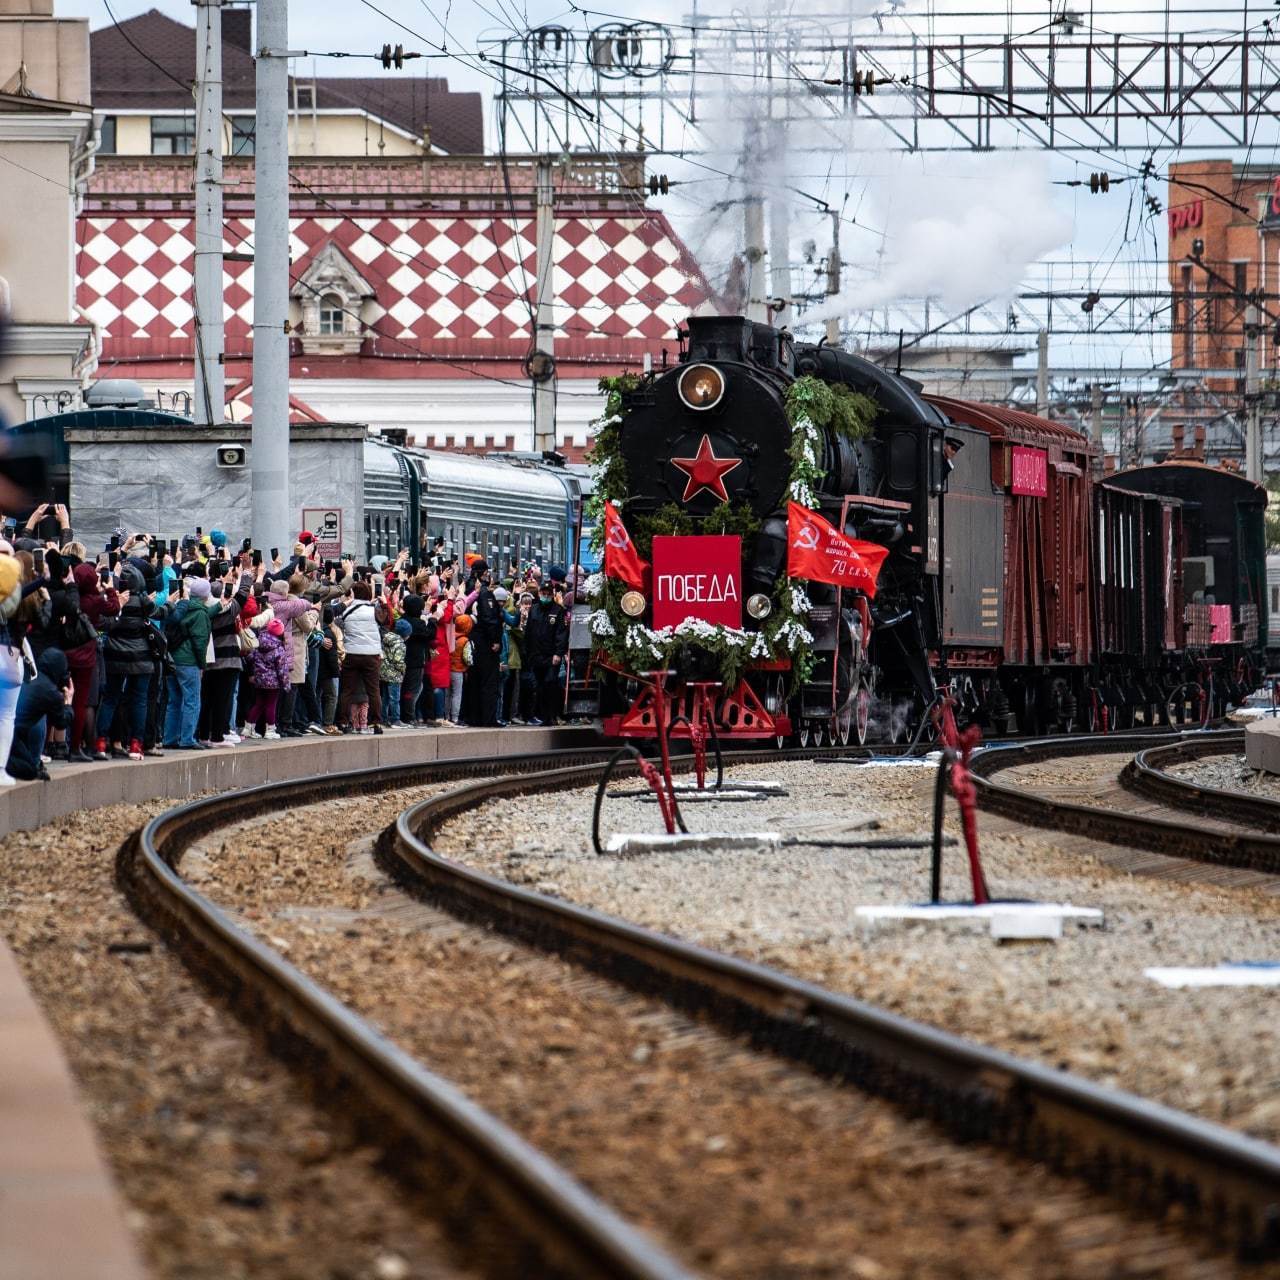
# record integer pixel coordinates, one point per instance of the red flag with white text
(817, 550)
(621, 559)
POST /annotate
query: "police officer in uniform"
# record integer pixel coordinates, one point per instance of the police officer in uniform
(547, 648)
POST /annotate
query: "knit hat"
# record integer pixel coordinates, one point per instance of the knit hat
(275, 627)
(306, 536)
(378, 562)
(403, 629)
(501, 595)
(217, 537)
(198, 588)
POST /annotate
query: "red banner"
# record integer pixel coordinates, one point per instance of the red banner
(1030, 472)
(621, 559)
(817, 550)
(697, 576)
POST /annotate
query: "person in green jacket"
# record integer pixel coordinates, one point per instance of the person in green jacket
(190, 619)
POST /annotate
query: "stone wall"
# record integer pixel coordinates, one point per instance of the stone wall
(166, 480)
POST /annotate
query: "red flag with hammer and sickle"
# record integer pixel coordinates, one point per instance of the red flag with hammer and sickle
(621, 559)
(817, 550)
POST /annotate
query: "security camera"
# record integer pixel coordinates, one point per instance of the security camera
(232, 455)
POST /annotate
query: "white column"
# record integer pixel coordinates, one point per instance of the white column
(273, 519)
(544, 341)
(210, 371)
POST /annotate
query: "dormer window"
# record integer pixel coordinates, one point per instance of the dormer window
(331, 295)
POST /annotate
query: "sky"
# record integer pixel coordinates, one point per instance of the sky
(962, 225)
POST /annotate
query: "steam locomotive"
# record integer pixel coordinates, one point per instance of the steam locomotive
(1044, 598)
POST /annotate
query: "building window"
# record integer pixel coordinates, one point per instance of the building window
(331, 314)
(1240, 281)
(241, 141)
(173, 135)
(107, 136)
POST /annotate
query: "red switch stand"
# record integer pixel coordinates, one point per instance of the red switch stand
(957, 750)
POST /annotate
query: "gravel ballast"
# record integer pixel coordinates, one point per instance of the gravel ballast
(744, 1165)
(1081, 1003)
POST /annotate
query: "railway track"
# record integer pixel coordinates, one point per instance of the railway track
(1137, 805)
(1143, 1152)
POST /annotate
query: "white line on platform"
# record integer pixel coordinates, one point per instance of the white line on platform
(1224, 975)
(968, 911)
(663, 843)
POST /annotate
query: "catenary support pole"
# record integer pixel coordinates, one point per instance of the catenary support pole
(269, 453)
(1095, 422)
(210, 380)
(544, 385)
(1042, 372)
(833, 279)
(1253, 404)
(779, 236)
(753, 226)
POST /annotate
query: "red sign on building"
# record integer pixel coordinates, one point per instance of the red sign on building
(1030, 472)
(697, 577)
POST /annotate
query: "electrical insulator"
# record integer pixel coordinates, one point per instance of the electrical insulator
(1099, 182)
(392, 57)
(659, 184)
(1090, 302)
(386, 57)
(1154, 205)
(1147, 169)
(864, 82)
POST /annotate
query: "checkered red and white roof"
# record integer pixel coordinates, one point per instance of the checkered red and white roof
(461, 284)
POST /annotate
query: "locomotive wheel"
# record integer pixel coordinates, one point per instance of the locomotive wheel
(861, 713)
(1089, 710)
(819, 734)
(802, 733)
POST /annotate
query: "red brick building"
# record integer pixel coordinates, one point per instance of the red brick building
(1234, 211)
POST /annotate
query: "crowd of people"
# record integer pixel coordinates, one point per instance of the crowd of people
(146, 648)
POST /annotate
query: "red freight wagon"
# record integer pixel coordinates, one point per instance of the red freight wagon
(1042, 468)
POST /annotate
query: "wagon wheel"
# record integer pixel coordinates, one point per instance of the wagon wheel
(1029, 710)
(1089, 710)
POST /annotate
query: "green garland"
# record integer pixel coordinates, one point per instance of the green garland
(812, 406)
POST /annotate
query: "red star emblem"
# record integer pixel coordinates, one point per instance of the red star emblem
(706, 471)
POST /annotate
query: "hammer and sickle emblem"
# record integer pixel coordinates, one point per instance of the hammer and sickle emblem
(807, 538)
(617, 538)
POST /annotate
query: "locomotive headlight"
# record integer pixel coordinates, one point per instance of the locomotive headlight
(759, 606)
(700, 386)
(632, 603)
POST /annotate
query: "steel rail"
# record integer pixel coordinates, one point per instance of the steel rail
(1145, 1151)
(1174, 835)
(540, 1220)
(1147, 775)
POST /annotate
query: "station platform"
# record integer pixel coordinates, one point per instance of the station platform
(61, 1217)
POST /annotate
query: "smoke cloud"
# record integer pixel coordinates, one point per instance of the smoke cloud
(963, 235)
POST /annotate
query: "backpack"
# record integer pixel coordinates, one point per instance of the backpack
(174, 632)
(468, 654)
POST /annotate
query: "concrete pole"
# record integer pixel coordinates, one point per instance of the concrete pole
(544, 338)
(1042, 373)
(833, 279)
(780, 233)
(753, 226)
(211, 383)
(1253, 405)
(273, 518)
(1095, 422)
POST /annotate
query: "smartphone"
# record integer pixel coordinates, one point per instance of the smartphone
(38, 556)
(173, 548)
(113, 558)
(257, 558)
(199, 531)
(114, 544)
(275, 553)
(105, 576)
